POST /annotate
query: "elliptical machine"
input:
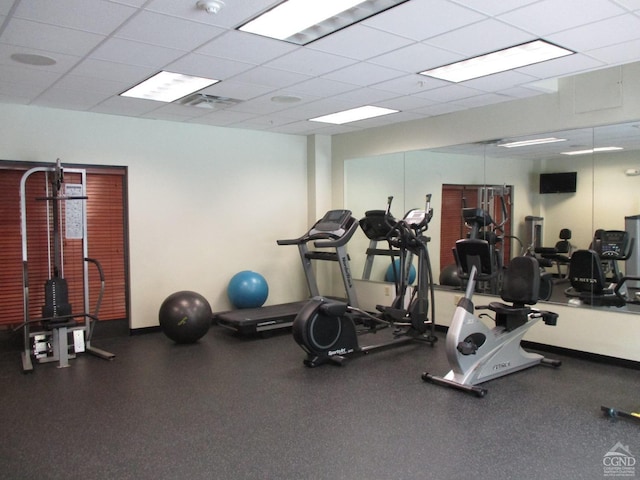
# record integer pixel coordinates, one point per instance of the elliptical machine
(328, 330)
(476, 353)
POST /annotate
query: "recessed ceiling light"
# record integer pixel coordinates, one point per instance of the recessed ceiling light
(168, 87)
(353, 115)
(303, 21)
(534, 141)
(31, 59)
(500, 61)
(592, 150)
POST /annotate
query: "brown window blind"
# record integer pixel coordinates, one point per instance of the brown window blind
(106, 233)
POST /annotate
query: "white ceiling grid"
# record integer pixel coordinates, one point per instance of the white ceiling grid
(103, 47)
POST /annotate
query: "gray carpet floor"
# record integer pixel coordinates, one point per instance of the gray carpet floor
(231, 407)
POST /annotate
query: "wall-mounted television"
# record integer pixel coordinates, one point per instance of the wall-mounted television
(564, 182)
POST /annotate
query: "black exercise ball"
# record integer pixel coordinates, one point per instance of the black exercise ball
(449, 276)
(185, 316)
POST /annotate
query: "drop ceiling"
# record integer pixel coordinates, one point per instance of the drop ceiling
(103, 47)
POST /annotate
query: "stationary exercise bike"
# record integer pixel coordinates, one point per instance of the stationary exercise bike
(328, 330)
(476, 353)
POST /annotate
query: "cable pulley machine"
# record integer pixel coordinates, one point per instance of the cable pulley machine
(58, 334)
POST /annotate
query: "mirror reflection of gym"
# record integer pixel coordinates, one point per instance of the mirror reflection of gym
(602, 174)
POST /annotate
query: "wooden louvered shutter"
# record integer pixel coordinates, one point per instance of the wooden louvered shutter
(106, 225)
(451, 228)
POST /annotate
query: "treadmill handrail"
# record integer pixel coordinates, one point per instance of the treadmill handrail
(306, 238)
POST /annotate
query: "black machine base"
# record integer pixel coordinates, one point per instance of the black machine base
(326, 330)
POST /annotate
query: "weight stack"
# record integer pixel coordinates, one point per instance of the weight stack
(56, 299)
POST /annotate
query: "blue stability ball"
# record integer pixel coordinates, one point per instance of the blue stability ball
(185, 316)
(390, 276)
(247, 289)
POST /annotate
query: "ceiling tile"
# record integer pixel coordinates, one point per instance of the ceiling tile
(599, 34)
(451, 93)
(494, 7)
(364, 96)
(363, 74)
(94, 68)
(416, 57)
(245, 47)
(166, 31)
(18, 73)
(64, 98)
(561, 67)
(499, 81)
(410, 84)
(482, 100)
(322, 87)
(49, 38)
(483, 37)
(615, 54)
(422, 19)
(208, 67)
(405, 103)
(95, 16)
(550, 16)
(360, 42)
(271, 77)
(62, 65)
(132, 107)
(231, 15)
(238, 90)
(118, 50)
(310, 62)
(98, 86)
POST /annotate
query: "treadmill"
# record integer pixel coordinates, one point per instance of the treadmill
(331, 233)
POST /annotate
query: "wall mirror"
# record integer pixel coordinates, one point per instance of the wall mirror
(604, 162)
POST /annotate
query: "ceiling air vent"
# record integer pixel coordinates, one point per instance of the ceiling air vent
(201, 100)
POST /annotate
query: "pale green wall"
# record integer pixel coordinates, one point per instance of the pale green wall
(204, 202)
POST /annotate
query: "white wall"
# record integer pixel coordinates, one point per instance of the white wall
(204, 202)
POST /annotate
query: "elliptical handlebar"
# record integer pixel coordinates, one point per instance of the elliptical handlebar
(408, 231)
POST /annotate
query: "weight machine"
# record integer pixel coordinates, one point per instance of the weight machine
(47, 337)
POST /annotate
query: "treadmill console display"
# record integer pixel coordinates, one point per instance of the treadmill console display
(334, 222)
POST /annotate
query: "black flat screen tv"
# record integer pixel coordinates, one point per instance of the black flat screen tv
(564, 182)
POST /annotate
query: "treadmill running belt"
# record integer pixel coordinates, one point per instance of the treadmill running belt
(256, 320)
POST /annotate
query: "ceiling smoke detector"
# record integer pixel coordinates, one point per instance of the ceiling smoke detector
(210, 6)
(201, 100)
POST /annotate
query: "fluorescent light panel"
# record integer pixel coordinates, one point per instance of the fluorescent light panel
(353, 115)
(168, 87)
(592, 150)
(303, 21)
(500, 61)
(534, 141)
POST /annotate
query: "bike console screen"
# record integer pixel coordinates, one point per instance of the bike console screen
(614, 244)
